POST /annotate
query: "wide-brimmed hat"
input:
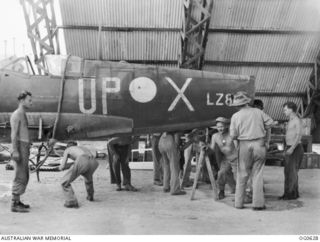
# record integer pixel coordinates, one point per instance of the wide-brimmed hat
(222, 120)
(241, 98)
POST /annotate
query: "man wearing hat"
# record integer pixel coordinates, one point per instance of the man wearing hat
(250, 127)
(228, 158)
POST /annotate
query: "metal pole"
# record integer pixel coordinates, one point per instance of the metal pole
(5, 48)
(14, 46)
(99, 54)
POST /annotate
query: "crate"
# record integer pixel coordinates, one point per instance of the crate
(310, 161)
(306, 126)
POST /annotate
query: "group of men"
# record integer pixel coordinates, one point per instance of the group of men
(84, 162)
(250, 128)
(242, 150)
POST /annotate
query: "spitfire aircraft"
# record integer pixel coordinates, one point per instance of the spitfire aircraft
(89, 99)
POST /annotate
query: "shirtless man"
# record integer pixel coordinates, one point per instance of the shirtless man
(118, 153)
(228, 160)
(21, 151)
(85, 165)
(293, 153)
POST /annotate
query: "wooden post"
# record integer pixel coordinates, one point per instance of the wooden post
(212, 180)
(203, 157)
(198, 170)
(188, 149)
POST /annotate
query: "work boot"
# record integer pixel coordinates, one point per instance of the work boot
(187, 184)
(90, 198)
(130, 188)
(287, 197)
(179, 193)
(158, 183)
(291, 196)
(118, 187)
(259, 208)
(24, 205)
(166, 189)
(18, 208)
(242, 207)
(221, 195)
(71, 204)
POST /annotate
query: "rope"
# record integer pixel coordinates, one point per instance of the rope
(40, 163)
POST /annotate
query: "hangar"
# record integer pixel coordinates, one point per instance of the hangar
(275, 41)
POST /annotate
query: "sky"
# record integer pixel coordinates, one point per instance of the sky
(13, 30)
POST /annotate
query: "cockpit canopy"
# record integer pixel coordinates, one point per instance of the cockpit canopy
(56, 65)
(20, 65)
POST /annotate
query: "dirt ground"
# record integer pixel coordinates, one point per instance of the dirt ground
(150, 211)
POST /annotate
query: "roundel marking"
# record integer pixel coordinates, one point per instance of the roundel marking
(142, 89)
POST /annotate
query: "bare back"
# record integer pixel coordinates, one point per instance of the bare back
(226, 145)
(74, 152)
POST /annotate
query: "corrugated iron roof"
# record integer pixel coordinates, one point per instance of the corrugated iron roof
(274, 105)
(267, 14)
(262, 47)
(122, 13)
(138, 45)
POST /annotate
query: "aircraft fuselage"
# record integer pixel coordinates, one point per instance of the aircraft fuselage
(124, 98)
